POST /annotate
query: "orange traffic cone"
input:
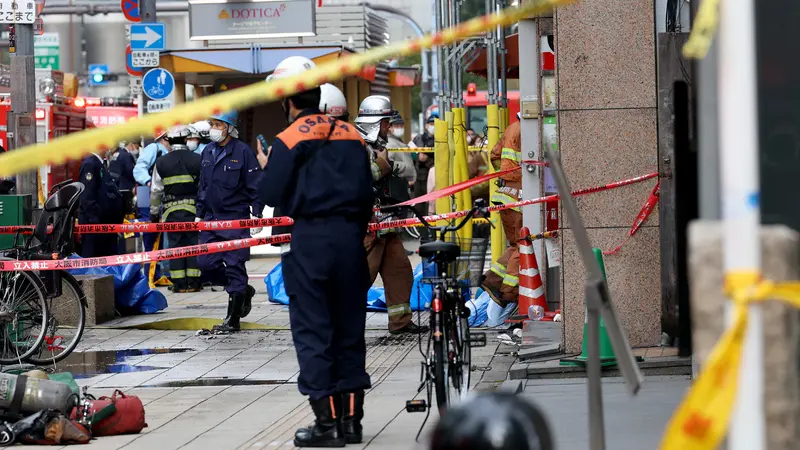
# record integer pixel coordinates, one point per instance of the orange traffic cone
(531, 288)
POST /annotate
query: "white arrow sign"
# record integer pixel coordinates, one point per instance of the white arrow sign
(149, 37)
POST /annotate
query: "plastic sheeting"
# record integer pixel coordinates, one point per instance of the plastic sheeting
(132, 293)
(376, 298)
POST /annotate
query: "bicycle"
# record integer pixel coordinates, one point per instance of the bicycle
(52, 300)
(447, 361)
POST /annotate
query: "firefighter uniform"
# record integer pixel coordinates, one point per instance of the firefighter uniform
(172, 196)
(228, 190)
(385, 252)
(387, 256)
(502, 279)
(101, 203)
(318, 173)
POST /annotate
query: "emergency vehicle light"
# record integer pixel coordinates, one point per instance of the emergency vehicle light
(40, 113)
(79, 102)
(472, 89)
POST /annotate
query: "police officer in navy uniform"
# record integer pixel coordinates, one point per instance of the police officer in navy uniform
(121, 165)
(100, 203)
(318, 173)
(228, 190)
(173, 191)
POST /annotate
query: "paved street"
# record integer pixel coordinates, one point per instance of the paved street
(239, 391)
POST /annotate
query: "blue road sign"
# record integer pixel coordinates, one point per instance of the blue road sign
(148, 36)
(158, 84)
(97, 73)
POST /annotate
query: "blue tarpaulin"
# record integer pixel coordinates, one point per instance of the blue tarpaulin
(376, 299)
(132, 293)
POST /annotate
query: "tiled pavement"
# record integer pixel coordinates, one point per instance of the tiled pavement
(240, 391)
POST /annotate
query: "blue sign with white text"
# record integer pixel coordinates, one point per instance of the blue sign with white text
(148, 36)
(158, 84)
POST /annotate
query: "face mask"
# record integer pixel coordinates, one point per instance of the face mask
(430, 129)
(192, 145)
(398, 132)
(216, 135)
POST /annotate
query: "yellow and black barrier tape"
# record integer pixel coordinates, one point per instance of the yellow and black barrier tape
(100, 140)
(705, 24)
(701, 420)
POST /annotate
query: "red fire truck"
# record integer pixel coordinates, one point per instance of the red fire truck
(57, 117)
(475, 102)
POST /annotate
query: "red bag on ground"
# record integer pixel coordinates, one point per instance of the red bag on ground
(120, 414)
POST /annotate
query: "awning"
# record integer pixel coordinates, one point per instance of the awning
(478, 67)
(252, 60)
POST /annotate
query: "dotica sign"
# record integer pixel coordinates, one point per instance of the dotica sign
(257, 13)
(250, 19)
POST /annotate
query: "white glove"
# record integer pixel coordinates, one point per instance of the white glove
(197, 219)
(255, 231)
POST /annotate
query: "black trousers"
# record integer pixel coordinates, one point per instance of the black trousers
(327, 279)
(183, 272)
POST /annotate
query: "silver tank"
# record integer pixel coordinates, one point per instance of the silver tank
(38, 394)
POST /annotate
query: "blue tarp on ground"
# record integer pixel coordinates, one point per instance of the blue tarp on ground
(132, 293)
(376, 299)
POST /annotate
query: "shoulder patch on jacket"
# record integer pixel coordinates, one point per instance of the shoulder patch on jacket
(317, 127)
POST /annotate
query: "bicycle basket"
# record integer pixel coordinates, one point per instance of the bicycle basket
(467, 267)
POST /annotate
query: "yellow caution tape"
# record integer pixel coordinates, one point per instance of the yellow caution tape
(76, 145)
(428, 149)
(127, 235)
(151, 273)
(701, 420)
(703, 28)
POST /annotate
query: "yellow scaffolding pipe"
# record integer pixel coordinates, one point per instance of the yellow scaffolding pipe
(464, 198)
(442, 164)
(498, 240)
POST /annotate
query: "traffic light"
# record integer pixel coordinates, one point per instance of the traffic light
(102, 78)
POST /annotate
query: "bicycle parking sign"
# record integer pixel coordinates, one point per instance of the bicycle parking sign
(158, 84)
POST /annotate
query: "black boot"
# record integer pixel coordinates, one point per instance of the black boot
(326, 431)
(248, 301)
(231, 322)
(353, 407)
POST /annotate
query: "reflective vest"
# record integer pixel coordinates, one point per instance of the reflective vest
(179, 171)
(509, 151)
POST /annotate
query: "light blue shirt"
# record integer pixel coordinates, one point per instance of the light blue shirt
(147, 157)
(199, 149)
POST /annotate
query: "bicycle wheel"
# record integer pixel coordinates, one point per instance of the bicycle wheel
(441, 363)
(23, 316)
(65, 324)
(463, 361)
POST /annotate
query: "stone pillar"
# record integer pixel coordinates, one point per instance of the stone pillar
(780, 256)
(606, 81)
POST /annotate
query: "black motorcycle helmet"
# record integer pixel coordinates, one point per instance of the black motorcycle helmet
(494, 421)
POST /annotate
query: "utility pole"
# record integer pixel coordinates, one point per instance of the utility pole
(21, 120)
(147, 10)
(737, 97)
(531, 113)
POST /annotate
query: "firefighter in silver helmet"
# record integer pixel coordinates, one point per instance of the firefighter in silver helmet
(173, 191)
(385, 252)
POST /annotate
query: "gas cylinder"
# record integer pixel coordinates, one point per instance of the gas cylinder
(25, 395)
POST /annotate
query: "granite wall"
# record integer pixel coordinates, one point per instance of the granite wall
(607, 115)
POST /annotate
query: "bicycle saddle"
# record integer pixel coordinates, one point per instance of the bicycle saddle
(448, 251)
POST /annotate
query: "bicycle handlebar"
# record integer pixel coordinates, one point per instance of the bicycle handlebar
(479, 208)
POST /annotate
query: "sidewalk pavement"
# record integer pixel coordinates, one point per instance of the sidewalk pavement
(239, 391)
